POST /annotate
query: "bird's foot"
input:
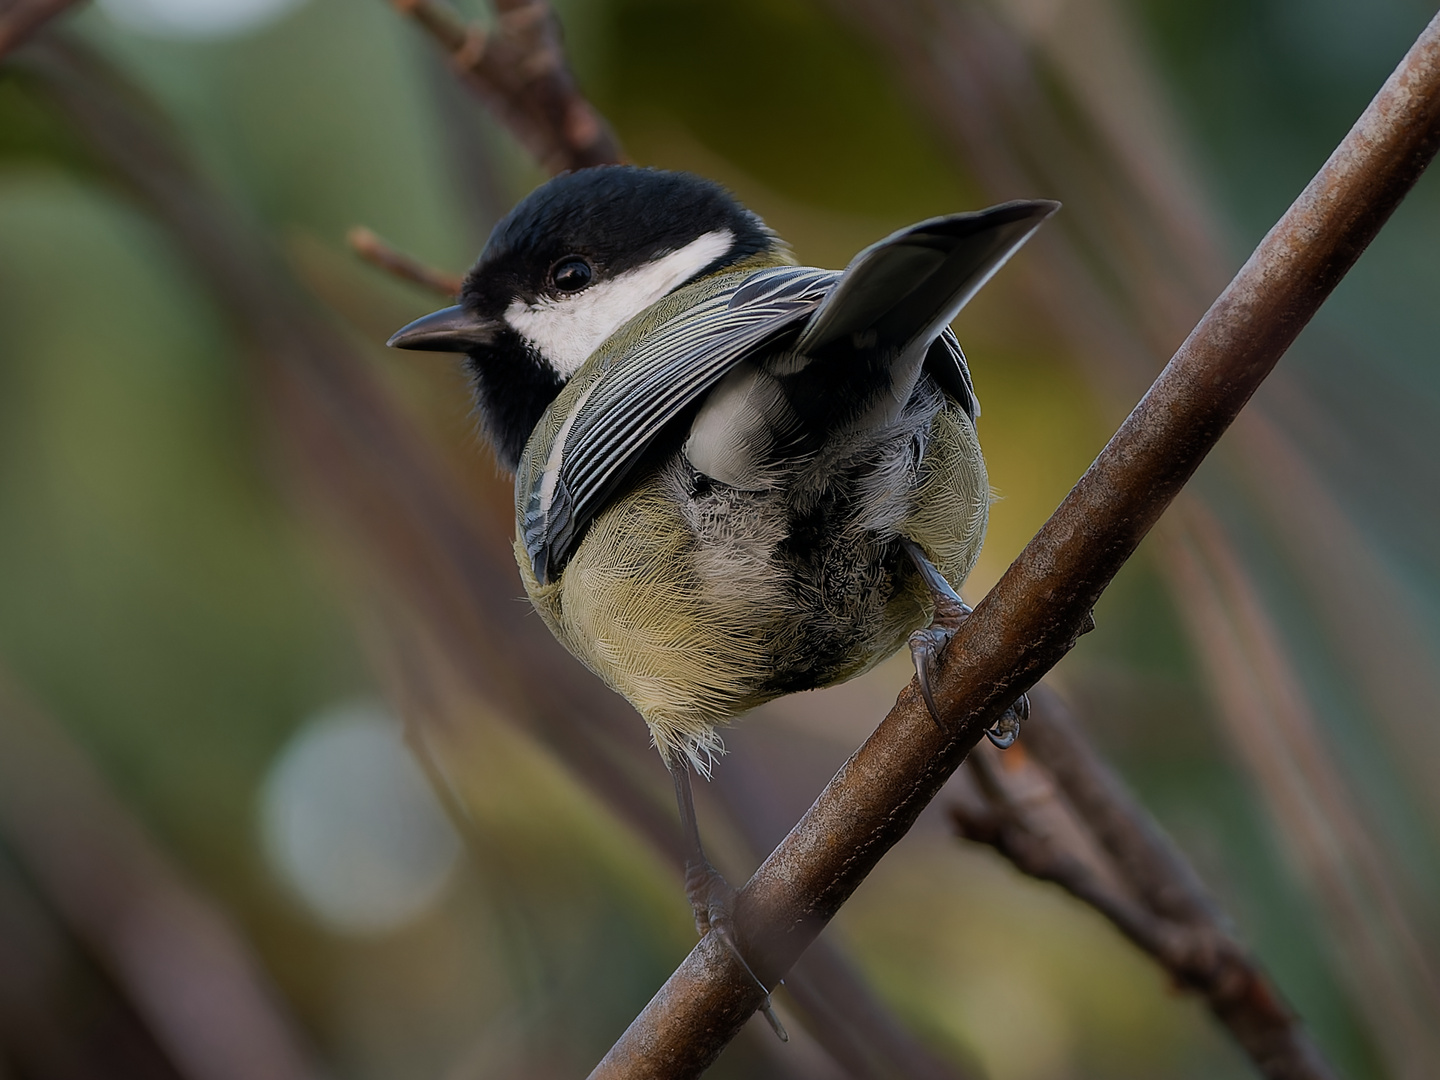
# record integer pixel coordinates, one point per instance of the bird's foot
(927, 643)
(712, 899)
(1006, 730)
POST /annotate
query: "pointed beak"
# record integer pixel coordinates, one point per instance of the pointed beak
(451, 329)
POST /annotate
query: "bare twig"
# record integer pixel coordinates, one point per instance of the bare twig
(518, 68)
(20, 19)
(378, 253)
(1157, 902)
(1032, 617)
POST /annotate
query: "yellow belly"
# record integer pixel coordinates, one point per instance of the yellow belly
(691, 633)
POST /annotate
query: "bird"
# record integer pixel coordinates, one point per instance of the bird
(736, 477)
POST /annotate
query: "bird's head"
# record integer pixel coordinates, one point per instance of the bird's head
(579, 257)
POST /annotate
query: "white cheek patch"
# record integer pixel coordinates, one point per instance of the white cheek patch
(566, 330)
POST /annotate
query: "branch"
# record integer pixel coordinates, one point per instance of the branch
(1158, 904)
(518, 69)
(1033, 616)
(19, 21)
(406, 267)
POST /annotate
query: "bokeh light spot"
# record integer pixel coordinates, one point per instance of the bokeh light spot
(196, 18)
(351, 825)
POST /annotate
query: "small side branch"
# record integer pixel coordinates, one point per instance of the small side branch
(378, 253)
(1141, 883)
(518, 69)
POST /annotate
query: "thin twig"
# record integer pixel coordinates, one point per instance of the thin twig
(518, 69)
(1159, 905)
(20, 20)
(1033, 616)
(406, 267)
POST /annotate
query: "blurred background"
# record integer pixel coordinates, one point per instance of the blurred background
(293, 784)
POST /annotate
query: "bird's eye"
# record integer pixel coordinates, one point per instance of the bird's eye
(571, 274)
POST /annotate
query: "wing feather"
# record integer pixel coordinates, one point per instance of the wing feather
(620, 404)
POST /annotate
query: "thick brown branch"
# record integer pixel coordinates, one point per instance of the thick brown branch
(518, 68)
(406, 267)
(1161, 907)
(21, 19)
(1032, 617)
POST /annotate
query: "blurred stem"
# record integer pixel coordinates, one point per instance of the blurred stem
(185, 967)
(1150, 894)
(21, 19)
(518, 68)
(1305, 792)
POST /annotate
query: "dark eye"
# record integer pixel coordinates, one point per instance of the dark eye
(571, 274)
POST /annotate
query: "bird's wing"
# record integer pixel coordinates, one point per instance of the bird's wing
(855, 364)
(614, 409)
(909, 286)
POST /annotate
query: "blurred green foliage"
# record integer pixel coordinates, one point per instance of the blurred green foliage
(162, 593)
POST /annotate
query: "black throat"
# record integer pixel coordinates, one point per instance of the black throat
(513, 387)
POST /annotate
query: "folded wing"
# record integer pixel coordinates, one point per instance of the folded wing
(620, 408)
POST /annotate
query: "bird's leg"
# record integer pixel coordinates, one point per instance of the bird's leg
(710, 894)
(929, 641)
(711, 897)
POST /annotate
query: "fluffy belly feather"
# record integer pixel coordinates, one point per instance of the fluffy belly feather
(697, 601)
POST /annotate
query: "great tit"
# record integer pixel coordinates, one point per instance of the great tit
(735, 477)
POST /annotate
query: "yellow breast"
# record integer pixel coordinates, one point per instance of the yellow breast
(690, 631)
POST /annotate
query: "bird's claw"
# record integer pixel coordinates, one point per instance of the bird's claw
(1006, 730)
(712, 900)
(925, 645)
(928, 643)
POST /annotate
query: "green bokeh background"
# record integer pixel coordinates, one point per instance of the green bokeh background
(166, 600)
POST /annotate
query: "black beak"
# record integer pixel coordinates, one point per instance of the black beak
(451, 329)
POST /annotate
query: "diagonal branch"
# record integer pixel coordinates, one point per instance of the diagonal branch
(1136, 262)
(1034, 614)
(518, 69)
(1157, 903)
